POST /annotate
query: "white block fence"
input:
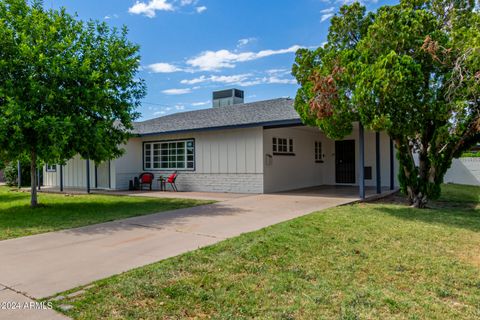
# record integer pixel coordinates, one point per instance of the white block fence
(464, 171)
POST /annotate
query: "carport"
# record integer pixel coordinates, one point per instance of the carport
(299, 157)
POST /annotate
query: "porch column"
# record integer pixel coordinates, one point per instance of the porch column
(88, 175)
(19, 174)
(392, 166)
(377, 162)
(361, 162)
(61, 178)
(109, 174)
(38, 179)
(96, 175)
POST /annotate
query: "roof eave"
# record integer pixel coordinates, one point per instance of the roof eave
(277, 123)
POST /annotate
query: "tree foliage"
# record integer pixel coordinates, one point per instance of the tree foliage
(66, 86)
(411, 69)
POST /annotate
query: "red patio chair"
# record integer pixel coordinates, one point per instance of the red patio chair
(146, 178)
(171, 179)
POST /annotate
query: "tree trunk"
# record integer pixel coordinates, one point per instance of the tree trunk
(418, 200)
(412, 178)
(33, 174)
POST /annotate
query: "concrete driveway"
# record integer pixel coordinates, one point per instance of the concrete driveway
(42, 265)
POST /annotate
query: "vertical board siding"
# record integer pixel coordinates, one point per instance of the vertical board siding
(224, 153)
(215, 164)
(230, 156)
(74, 174)
(240, 147)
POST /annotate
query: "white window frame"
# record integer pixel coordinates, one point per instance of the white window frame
(157, 155)
(283, 146)
(50, 167)
(318, 152)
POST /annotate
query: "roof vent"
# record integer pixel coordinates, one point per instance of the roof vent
(228, 97)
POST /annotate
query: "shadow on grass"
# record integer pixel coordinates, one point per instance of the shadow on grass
(462, 216)
(12, 196)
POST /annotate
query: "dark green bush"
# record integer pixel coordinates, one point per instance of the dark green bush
(11, 174)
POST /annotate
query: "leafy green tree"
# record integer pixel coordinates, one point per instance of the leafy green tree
(66, 86)
(411, 69)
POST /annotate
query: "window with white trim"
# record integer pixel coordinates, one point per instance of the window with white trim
(318, 151)
(169, 155)
(51, 167)
(282, 145)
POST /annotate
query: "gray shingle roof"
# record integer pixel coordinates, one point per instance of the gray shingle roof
(260, 113)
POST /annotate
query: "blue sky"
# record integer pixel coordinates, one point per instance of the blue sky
(190, 48)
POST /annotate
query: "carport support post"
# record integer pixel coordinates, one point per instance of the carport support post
(377, 162)
(61, 178)
(96, 175)
(109, 174)
(19, 173)
(38, 179)
(361, 162)
(392, 167)
(88, 175)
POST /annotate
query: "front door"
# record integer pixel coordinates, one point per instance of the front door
(345, 161)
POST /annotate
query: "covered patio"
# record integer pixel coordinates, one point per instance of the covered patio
(307, 161)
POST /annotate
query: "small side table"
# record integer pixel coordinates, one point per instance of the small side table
(162, 183)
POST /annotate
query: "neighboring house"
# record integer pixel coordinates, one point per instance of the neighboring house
(256, 147)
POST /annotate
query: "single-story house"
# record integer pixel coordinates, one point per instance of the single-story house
(257, 147)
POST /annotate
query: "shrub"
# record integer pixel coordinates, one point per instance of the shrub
(11, 174)
(470, 154)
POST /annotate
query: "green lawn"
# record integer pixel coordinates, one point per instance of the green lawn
(58, 212)
(364, 261)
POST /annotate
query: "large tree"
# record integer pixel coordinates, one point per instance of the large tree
(66, 86)
(411, 69)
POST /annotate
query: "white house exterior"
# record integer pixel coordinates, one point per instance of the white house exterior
(258, 147)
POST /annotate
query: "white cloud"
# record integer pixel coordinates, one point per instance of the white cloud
(201, 9)
(328, 10)
(179, 107)
(195, 80)
(326, 17)
(200, 103)
(215, 60)
(187, 2)
(149, 9)
(219, 79)
(282, 71)
(159, 113)
(177, 91)
(244, 42)
(276, 80)
(274, 76)
(113, 16)
(163, 67)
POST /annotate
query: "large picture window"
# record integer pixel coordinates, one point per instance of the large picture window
(169, 155)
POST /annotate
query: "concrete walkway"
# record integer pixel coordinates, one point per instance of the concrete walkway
(42, 265)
